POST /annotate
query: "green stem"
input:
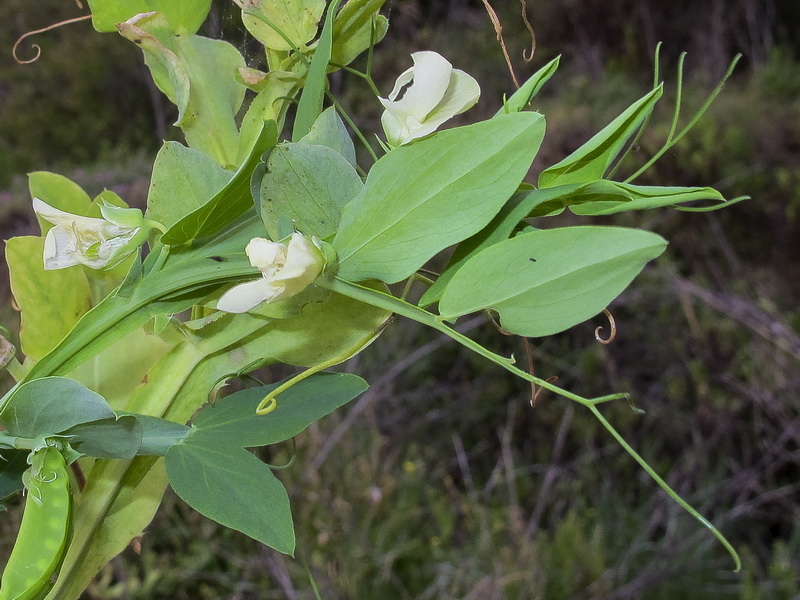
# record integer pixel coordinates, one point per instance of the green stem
(665, 486)
(16, 443)
(405, 309)
(400, 307)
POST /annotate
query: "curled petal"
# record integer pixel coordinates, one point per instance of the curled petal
(241, 298)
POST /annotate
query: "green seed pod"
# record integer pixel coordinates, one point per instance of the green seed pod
(44, 532)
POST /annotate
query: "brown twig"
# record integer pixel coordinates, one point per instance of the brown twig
(36, 47)
(498, 28)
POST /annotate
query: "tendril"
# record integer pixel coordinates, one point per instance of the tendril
(525, 55)
(36, 47)
(613, 335)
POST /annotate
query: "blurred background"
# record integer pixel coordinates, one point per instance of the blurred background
(442, 482)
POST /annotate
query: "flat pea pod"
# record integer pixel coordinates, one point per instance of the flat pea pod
(44, 532)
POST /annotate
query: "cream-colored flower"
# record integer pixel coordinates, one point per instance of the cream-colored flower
(425, 96)
(286, 269)
(96, 243)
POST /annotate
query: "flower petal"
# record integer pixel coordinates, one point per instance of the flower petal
(241, 298)
(59, 249)
(462, 94)
(431, 78)
(59, 217)
(265, 255)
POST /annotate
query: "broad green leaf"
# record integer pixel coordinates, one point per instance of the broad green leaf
(233, 420)
(423, 197)
(353, 29)
(546, 281)
(520, 99)
(611, 197)
(283, 24)
(52, 405)
(232, 487)
(310, 105)
(183, 16)
(59, 192)
(51, 302)
(500, 228)
(114, 437)
(198, 75)
(183, 179)
(592, 160)
(159, 435)
(230, 203)
(13, 463)
(329, 130)
(307, 186)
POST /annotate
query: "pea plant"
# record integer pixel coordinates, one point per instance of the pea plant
(265, 240)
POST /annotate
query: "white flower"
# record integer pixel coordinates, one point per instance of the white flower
(430, 93)
(286, 269)
(96, 243)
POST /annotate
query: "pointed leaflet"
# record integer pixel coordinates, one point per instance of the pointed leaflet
(183, 16)
(52, 405)
(232, 487)
(421, 198)
(329, 130)
(499, 229)
(523, 96)
(307, 186)
(183, 179)
(591, 161)
(233, 420)
(51, 302)
(229, 203)
(610, 197)
(114, 437)
(547, 281)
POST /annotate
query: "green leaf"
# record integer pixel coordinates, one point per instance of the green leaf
(59, 192)
(183, 179)
(307, 186)
(52, 405)
(611, 197)
(232, 487)
(114, 437)
(547, 281)
(51, 302)
(520, 99)
(283, 24)
(421, 198)
(159, 435)
(230, 203)
(329, 130)
(500, 228)
(13, 463)
(310, 105)
(591, 161)
(184, 16)
(233, 420)
(353, 29)
(198, 75)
